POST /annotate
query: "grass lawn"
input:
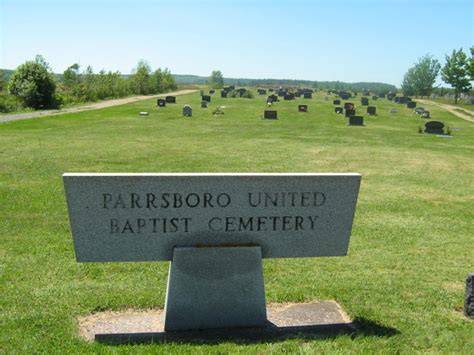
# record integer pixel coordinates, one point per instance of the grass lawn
(410, 251)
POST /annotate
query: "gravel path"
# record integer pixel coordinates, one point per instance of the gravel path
(91, 106)
(455, 110)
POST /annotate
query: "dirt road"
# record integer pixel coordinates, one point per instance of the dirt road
(455, 110)
(91, 106)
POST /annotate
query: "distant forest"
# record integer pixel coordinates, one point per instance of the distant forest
(183, 79)
(325, 85)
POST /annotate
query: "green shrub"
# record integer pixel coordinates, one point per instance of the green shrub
(8, 103)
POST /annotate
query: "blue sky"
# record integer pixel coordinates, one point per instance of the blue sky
(358, 40)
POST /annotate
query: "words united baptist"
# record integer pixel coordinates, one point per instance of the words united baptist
(185, 203)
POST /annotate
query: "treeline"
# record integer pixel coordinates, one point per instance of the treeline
(457, 71)
(34, 85)
(321, 85)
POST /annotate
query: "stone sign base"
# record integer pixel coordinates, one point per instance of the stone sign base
(215, 287)
(288, 319)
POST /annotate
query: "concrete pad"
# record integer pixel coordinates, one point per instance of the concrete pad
(142, 326)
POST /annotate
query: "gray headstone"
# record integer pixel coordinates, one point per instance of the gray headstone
(170, 99)
(270, 114)
(356, 120)
(215, 288)
(187, 111)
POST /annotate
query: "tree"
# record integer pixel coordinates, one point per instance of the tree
(424, 75)
(71, 75)
(140, 79)
(407, 84)
(33, 83)
(470, 65)
(216, 80)
(456, 73)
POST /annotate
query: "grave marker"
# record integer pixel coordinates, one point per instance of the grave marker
(338, 109)
(350, 112)
(187, 111)
(336, 102)
(371, 110)
(434, 127)
(302, 108)
(170, 99)
(161, 102)
(206, 98)
(356, 120)
(270, 115)
(364, 101)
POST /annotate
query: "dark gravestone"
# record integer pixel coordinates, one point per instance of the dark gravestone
(344, 95)
(302, 108)
(231, 87)
(411, 104)
(281, 93)
(356, 120)
(223, 93)
(348, 106)
(371, 110)
(270, 115)
(262, 91)
(338, 109)
(288, 96)
(364, 101)
(161, 102)
(336, 102)
(425, 114)
(402, 100)
(350, 112)
(469, 296)
(211, 92)
(272, 98)
(206, 98)
(187, 111)
(170, 99)
(396, 99)
(241, 91)
(203, 104)
(298, 94)
(307, 95)
(434, 127)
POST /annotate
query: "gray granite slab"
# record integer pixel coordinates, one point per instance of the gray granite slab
(217, 287)
(143, 217)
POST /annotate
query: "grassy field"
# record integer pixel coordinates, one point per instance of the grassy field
(410, 251)
(443, 100)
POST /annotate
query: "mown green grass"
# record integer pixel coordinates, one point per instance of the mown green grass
(411, 245)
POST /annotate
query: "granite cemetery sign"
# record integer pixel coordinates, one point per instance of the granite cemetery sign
(214, 228)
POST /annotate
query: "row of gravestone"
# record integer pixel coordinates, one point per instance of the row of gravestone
(167, 99)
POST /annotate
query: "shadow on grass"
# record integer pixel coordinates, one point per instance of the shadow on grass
(360, 327)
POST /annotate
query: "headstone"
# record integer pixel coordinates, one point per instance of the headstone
(187, 111)
(223, 93)
(270, 115)
(336, 102)
(302, 108)
(393, 110)
(307, 95)
(350, 112)
(288, 96)
(469, 296)
(161, 102)
(349, 106)
(143, 113)
(203, 104)
(419, 110)
(425, 114)
(206, 98)
(434, 127)
(338, 109)
(411, 104)
(371, 110)
(298, 94)
(402, 100)
(262, 91)
(396, 99)
(364, 101)
(215, 229)
(356, 120)
(211, 92)
(170, 99)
